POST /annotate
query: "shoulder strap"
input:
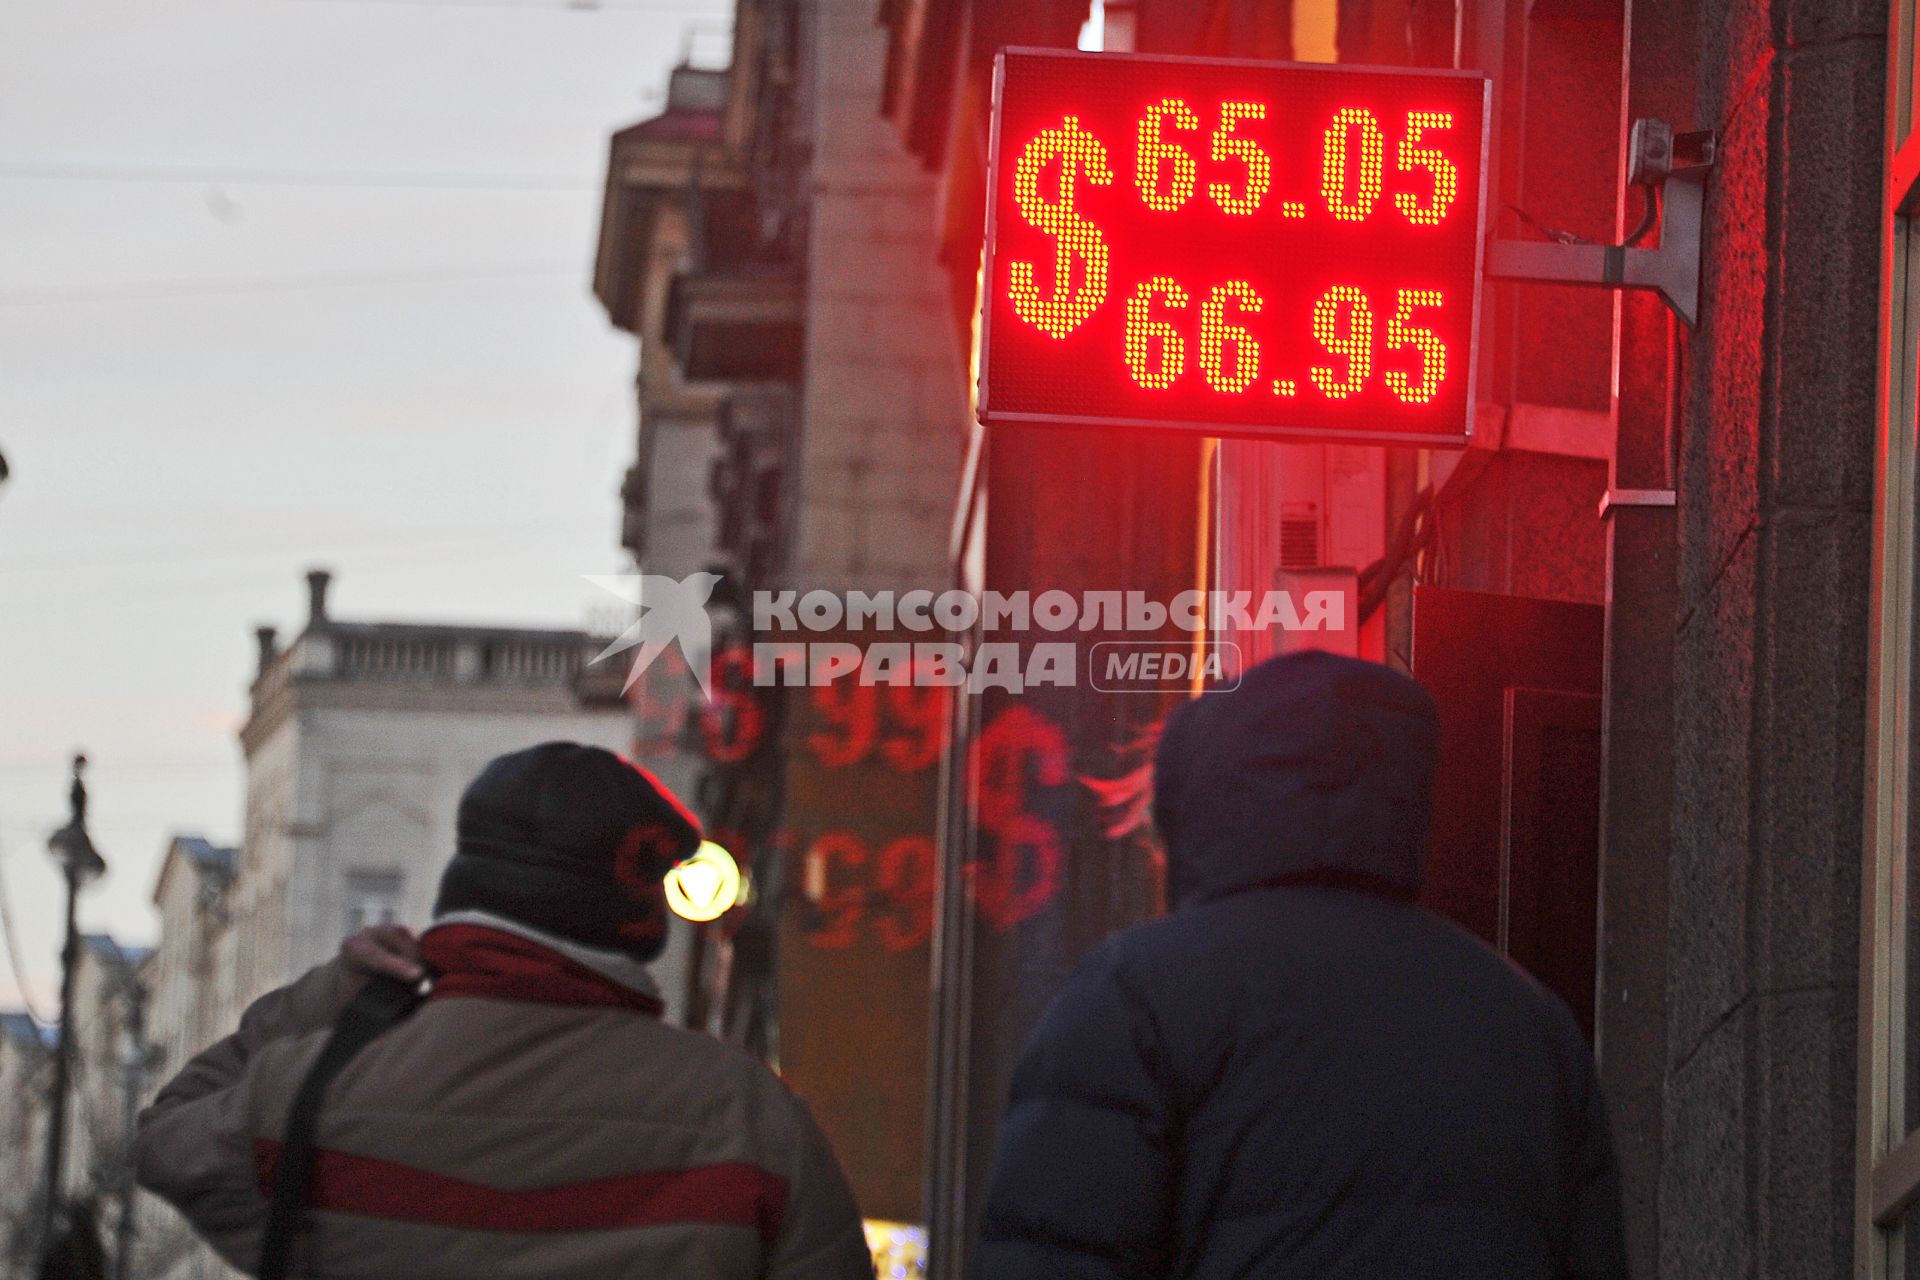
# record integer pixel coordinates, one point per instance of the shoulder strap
(383, 1003)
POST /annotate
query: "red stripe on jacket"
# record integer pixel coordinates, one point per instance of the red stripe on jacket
(734, 1194)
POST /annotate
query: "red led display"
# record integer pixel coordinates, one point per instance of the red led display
(1233, 248)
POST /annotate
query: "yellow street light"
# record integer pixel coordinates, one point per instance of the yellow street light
(705, 886)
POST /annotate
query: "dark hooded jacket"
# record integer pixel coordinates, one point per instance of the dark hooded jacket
(1300, 1074)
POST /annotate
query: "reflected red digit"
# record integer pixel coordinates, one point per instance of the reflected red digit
(905, 878)
(917, 726)
(830, 864)
(1020, 873)
(849, 714)
(644, 853)
(730, 722)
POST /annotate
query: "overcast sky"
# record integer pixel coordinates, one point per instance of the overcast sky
(284, 283)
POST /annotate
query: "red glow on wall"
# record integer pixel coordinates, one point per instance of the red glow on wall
(1233, 247)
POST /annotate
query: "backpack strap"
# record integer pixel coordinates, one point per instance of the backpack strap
(381, 1004)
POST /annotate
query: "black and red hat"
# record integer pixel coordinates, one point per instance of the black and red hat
(572, 840)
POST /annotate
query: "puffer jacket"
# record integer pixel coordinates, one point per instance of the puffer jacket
(1300, 1074)
(535, 1119)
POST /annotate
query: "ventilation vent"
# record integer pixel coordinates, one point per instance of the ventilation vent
(1300, 539)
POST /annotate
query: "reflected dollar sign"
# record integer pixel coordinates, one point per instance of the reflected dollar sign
(1076, 152)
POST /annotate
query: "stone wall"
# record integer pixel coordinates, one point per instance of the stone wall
(1775, 475)
(884, 402)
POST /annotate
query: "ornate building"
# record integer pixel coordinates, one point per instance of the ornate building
(359, 740)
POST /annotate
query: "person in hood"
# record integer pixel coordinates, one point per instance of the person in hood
(534, 1118)
(1300, 1074)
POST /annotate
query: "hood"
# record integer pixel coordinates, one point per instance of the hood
(1315, 767)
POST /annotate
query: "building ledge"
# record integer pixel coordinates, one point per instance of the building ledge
(737, 327)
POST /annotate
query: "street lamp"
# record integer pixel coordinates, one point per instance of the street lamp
(80, 862)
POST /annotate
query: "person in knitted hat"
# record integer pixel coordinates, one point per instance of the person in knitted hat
(535, 1117)
(569, 844)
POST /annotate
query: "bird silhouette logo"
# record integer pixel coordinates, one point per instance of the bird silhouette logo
(671, 612)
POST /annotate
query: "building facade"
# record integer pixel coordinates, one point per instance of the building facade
(110, 1050)
(764, 238)
(192, 993)
(359, 740)
(26, 1071)
(1664, 599)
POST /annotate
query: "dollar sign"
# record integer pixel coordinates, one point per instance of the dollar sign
(1074, 237)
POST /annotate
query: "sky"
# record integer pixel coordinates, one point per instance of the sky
(286, 283)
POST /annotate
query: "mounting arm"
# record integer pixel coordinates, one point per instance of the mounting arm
(1672, 169)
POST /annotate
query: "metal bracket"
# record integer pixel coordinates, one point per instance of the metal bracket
(1635, 498)
(1673, 170)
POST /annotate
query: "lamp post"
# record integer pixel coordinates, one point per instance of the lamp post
(80, 862)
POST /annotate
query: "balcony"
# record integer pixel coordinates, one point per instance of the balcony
(743, 326)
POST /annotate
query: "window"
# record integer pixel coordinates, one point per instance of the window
(1888, 1189)
(372, 897)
